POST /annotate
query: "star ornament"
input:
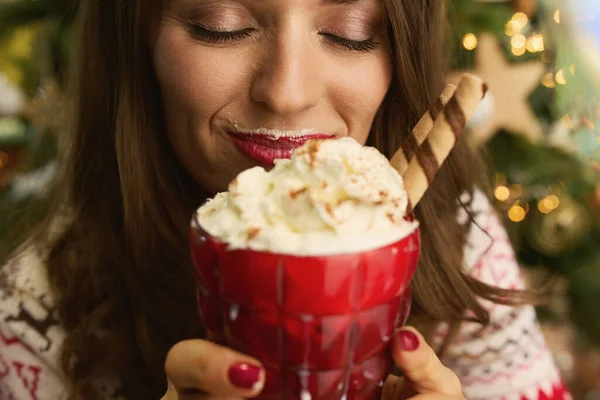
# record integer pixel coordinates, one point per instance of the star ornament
(510, 86)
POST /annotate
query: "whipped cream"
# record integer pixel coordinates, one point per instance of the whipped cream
(333, 196)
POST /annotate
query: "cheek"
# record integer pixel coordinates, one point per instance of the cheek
(364, 87)
(188, 73)
(196, 82)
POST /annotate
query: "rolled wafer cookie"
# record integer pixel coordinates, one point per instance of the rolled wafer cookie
(410, 145)
(447, 128)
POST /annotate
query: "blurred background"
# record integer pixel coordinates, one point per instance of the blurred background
(539, 126)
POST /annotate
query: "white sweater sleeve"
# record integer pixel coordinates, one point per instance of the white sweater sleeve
(509, 359)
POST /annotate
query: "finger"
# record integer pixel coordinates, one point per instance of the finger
(194, 365)
(387, 392)
(403, 390)
(421, 366)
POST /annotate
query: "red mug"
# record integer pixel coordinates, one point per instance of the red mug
(321, 325)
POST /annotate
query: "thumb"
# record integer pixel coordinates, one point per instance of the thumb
(421, 367)
(171, 391)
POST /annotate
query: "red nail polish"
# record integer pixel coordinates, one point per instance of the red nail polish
(244, 376)
(408, 340)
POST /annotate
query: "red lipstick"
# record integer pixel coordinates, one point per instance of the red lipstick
(266, 148)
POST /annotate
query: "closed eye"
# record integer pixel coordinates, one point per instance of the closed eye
(362, 46)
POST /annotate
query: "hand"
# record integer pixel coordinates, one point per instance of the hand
(197, 369)
(425, 377)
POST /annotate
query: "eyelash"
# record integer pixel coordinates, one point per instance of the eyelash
(213, 37)
(363, 46)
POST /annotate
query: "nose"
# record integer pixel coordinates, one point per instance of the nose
(288, 78)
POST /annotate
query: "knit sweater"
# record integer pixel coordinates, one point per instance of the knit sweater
(507, 360)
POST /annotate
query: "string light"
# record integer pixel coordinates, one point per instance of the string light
(521, 18)
(518, 41)
(470, 41)
(557, 16)
(516, 24)
(530, 47)
(548, 80)
(517, 213)
(502, 193)
(535, 44)
(554, 200)
(512, 28)
(519, 51)
(549, 204)
(543, 207)
(519, 44)
(560, 77)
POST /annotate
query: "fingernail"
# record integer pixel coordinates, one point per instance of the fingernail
(244, 376)
(408, 340)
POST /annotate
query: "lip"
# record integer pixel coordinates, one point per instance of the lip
(266, 148)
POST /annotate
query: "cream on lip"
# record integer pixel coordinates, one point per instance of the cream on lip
(267, 145)
(276, 134)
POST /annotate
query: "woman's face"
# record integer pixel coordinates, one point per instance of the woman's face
(247, 81)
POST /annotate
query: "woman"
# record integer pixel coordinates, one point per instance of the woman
(164, 93)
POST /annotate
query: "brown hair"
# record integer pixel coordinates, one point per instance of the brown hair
(120, 266)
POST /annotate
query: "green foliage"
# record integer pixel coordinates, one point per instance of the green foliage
(527, 163)
(471, 16)
(572, 250)
(584, 294)
(15, 14)
(56, 18)
(477, 17)
(17, 220)
(53, 20)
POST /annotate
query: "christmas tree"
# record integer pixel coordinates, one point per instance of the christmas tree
(538, 130)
